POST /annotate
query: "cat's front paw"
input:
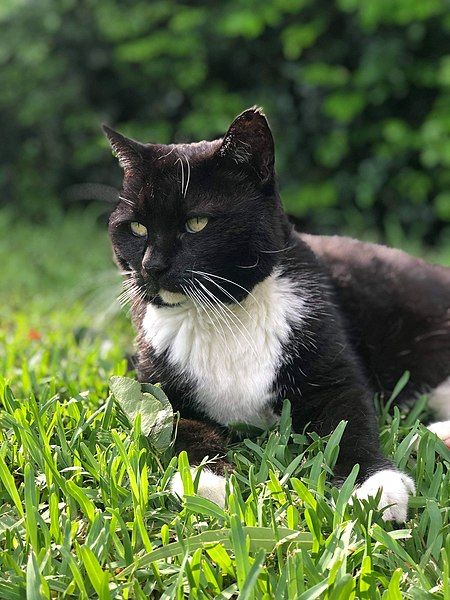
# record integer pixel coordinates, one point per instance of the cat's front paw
(442, 430)
(210, 486)
(395, 490)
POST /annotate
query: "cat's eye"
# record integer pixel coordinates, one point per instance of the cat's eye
(138, 229)
(196, 224)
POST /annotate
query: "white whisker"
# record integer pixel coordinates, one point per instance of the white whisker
(231, 315)
(276, 251)
(201, 301)
(194, 294)
(229, 281)
(188, 178)
(182, 173)
(127, 201)
(249, 266)
(220, 316)
(223, 377)
(132, 293)
(222, 289)
(168, 153)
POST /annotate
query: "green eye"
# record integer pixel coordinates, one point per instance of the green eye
(196, 224)
(138, 229)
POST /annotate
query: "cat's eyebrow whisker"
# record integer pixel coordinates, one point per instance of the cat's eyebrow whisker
(188, 178)
(127, 201)
(180, 160)
(168, 153)
(229, 281)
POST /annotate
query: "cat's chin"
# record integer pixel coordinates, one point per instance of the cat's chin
(172, 298)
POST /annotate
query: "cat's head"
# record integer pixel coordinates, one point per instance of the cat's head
(201, 219)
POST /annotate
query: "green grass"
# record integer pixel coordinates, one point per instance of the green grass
(85, 510)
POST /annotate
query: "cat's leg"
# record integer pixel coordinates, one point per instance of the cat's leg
(200, 440)
(360, 444)
(439, 402)
(442, 430)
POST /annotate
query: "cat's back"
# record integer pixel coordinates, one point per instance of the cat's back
(384, 274)
(397, 308)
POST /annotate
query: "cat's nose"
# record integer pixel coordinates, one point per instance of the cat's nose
(154, 263)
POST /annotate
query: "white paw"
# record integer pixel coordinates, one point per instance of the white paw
(439, 400)
(442, 430)
(395, 489)
(210, 486)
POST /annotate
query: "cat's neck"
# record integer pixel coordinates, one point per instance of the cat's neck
(271, 307)
(230, 355)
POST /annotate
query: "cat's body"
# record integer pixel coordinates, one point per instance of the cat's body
(396, 310)
(247, 312)
(241, 376)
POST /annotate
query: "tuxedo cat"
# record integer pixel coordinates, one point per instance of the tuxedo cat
(235, 311)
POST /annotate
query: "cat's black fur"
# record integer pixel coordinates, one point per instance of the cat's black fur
(376, 312)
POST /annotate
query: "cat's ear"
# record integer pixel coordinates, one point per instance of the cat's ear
(128, 151)
(249, 141)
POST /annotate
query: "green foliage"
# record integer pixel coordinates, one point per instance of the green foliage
(150, 404)
(85, 506)
(358, 93)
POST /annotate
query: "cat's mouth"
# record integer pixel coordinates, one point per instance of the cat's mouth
(172, 298)
(161, 296)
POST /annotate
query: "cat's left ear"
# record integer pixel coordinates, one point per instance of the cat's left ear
(249, 141)
(129, 152)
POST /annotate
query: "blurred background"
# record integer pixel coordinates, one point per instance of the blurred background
(357, 93)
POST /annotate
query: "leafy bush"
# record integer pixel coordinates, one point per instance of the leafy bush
(357, 93)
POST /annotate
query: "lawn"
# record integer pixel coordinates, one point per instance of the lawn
(85, 509)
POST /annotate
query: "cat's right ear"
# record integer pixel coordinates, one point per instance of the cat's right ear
(128, 151)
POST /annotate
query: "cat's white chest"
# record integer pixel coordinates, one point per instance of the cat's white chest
(230, 357)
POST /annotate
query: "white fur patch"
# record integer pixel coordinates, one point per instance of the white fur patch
(210, 486)
(172, 297)
(233, 367)
(395, 489)
(439, 400)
